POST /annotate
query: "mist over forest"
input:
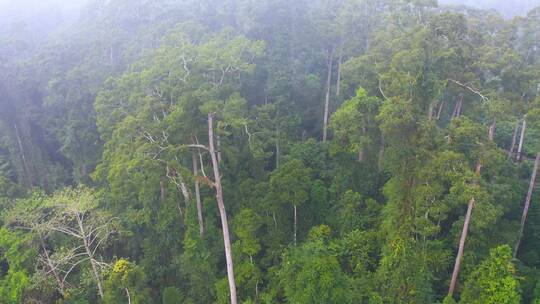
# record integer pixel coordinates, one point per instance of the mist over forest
(504, 7)
(269, 151)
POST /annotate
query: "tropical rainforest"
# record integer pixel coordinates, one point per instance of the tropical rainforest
(271, 151)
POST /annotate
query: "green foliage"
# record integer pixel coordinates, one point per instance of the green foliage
(17, 255)
(126, 279)
(494, 281)
(115, 106)
(171, 295)
(311, 273)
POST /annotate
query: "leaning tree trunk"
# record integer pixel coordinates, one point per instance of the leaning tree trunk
(441, 106)
(463, 238)
(52, 268)
(514, 138)
(26, 167)
(295, 225)
(221, 207)
(198, 193)
(527, 203)
(521, 139)
(338, 81)
(329, 65)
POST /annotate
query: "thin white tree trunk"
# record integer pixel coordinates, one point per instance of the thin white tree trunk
(28, 171)
(295, 225)
(527, 203)
(128, 296)
(457, 108)
(521, 139)
(441, 106)
(90, 255)
(430, 110)
(492, 130)
(222, 211)
(514, 139)
(277, 147)
(218, 144)
(338, 81)
(52, 268)
(463, 238)
(198, 193)
(329, 65)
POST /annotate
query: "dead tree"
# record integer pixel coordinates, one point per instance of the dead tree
(532, 183)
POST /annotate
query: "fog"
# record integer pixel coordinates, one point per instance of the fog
(39, 17)
(506, 7)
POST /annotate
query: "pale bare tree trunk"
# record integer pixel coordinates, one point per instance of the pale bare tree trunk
(329, 64)
(52, 268)
(338, 81)
(26, 166)
(111, 54)
(277, 147)
(441, 106)
(457, 108)
(161, 191)
(514, 138)
(128, 296)
(492, 127)
(381, 155)
(90, 255)
(527, 202)
(361, 151)
(218, 144)
(521, 139)
(222, 212)
(464, 232)
(198, 193)
(430, 110)
(295, 225)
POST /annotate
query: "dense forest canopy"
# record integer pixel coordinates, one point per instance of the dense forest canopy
(276, 151)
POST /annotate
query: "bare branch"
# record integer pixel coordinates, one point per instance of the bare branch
(471, 89)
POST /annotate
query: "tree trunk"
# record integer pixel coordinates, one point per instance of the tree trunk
(222, 212)
(128, 296)
(218, 145)
(338, 81)
(52, 269)
(161, 191)
(198, 194)
(441, 106)
(90, 254)
(277, 147)
(329, 65)
(492, 127)
(380, 163)
(26, 167)
(464, 232)
(111, 55)
(457, 108)
(527, 203)
(361, 150)
(521, 139)
(295, 225)
(430, 110)
(514, 138)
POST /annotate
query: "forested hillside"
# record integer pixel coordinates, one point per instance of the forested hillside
(276, 151)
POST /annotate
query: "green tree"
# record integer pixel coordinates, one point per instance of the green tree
(494, 281)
